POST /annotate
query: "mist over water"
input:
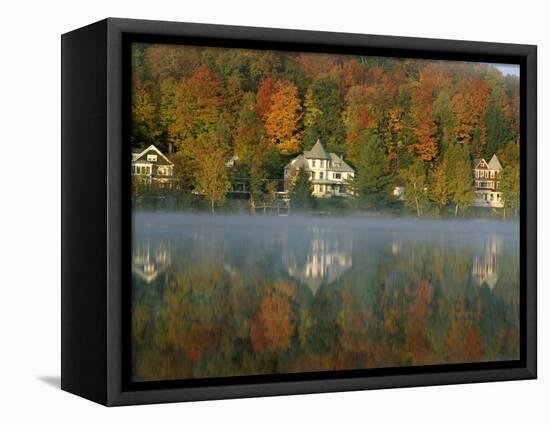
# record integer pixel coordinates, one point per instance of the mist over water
(246, 295)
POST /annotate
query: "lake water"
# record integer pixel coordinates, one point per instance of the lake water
(246, 295)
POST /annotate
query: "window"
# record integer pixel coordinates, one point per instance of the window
(133, 169)
(337, 175)
(321, 188)
(314, 163)
(151, 158)
(321, 175)
(492, 174)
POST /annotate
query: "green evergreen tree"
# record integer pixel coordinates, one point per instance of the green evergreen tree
(372, 175)
(510, 178)
(323, 115)
(301, 192)
(510, 186)
(498, 130)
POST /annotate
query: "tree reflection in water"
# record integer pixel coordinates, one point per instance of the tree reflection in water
(227, 296)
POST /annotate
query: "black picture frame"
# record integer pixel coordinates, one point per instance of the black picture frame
(96, 210)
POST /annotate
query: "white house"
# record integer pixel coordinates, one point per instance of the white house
(151, 165)
(487, 183)
(329, 173)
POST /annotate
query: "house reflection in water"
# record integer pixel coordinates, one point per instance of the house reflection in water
(484, 268)
(327, 258)
(149, 262)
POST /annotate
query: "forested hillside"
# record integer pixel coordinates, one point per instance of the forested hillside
(414, 123)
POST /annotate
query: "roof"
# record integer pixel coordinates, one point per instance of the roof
(494, 163)
(478, 162)
(335, 159)
(301, 162)
(298, 163)
(317, 152)
(136, 157)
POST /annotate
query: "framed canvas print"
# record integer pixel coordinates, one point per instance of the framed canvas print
(252, 212)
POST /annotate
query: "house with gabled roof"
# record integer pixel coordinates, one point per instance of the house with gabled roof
(329, 174)
(487, 177)
(151, 165)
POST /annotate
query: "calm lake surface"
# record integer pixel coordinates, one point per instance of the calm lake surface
(246, 295)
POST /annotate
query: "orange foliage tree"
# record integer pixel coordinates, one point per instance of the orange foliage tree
(263, 97)
(469, 106)
(199, 105)
(424, 126)
(282, 116)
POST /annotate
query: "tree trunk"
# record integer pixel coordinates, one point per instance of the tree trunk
(212, 206)
(456, 209)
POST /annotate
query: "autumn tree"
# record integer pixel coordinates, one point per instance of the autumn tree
(352, 73)
(469, 106)
(263, 97)
(164, 61)
(210, 171)
(144, 123)
(439, 191)
(318, 65)
(358, 115)
(282, 121)
(251, 145)
(199, 104)
(460, 177)
(424, 126)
